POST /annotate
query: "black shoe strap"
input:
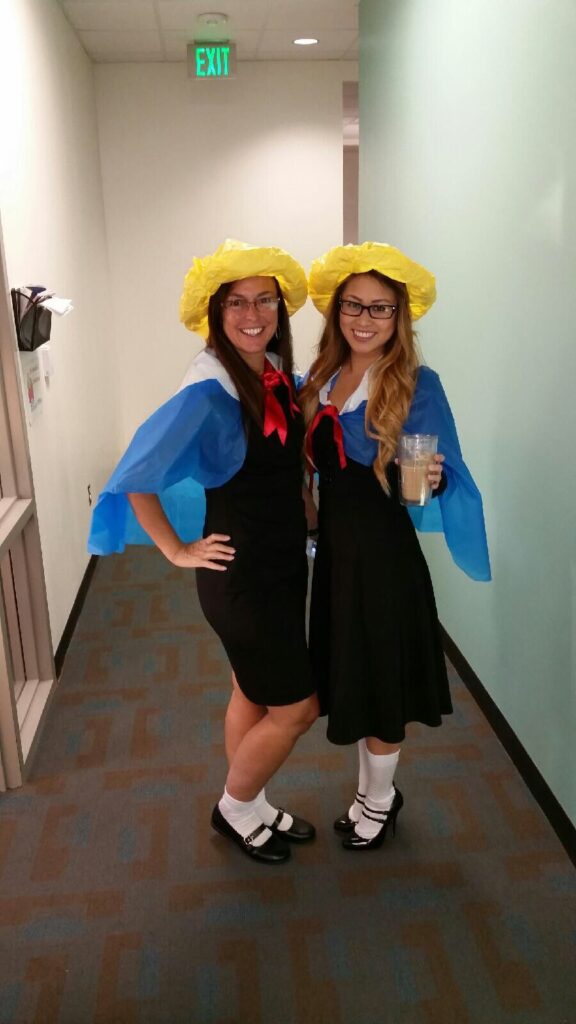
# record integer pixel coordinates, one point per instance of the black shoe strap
(248, 840)
(278, 818)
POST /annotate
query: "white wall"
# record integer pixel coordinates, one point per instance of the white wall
(468, 161)
(186, 164)
(53, 227)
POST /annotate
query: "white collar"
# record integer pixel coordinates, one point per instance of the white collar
(207, 366)
(355, 399)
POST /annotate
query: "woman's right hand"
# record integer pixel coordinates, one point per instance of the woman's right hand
(200, 553)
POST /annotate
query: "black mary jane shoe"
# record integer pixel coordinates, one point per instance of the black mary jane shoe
(273, 851)
(356, 842)
(300, 831)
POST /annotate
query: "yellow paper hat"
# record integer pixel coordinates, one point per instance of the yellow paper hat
(329, 270)
(233, 261)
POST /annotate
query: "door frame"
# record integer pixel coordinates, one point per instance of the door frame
(27, 671)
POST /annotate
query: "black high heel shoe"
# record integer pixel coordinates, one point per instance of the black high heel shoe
(356, 842)
(346, 823)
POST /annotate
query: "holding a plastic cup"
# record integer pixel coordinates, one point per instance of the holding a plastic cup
(415, 453)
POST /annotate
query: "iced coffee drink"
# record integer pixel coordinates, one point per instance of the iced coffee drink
(415, 454)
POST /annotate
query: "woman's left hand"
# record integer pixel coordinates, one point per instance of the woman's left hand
(435, 471)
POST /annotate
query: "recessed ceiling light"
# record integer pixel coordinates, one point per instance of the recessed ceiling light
(305, 42)
(212, 18)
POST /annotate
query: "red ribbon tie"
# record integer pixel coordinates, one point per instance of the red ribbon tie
(332, 413)
(274, 417)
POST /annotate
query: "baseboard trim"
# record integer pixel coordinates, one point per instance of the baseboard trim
(74, 615)
(537, 785)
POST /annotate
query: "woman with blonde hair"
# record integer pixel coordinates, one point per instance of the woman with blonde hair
(374, 634)
(234, 427)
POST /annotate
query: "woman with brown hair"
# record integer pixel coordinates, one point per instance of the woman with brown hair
(374, 633)
(235, 428)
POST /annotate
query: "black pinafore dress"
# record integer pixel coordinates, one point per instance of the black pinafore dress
(375, 641)
(258, 606)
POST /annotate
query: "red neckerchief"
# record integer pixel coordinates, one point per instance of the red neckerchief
(332, 413)
(274, 417)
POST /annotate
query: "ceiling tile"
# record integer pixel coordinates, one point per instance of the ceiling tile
(312, 15)
(122, 45)
(352, 53)
(182, 14)
(175, 44)
(280, 45)
(106, 16)
(262, 29)
(137, 57)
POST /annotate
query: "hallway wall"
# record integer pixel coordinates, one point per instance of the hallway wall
(468, 161)
(186, 164)
(53, 229)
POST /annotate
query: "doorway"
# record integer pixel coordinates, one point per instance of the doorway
(350, 154)
(27, 673)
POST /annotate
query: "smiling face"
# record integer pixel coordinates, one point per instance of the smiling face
(363, 333)
(250, 328)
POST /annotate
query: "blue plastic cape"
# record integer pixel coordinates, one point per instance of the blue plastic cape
(195, 440)
(458, 511)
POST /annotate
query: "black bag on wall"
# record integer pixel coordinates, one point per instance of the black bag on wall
(33, 322)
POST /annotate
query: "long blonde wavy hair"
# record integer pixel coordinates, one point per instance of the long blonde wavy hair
(392, 376)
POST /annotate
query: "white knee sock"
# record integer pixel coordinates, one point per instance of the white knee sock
(380, 793)
(358, 806)
(268, 813)
(243, 817)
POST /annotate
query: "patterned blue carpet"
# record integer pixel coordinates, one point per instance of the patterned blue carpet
(119, 905)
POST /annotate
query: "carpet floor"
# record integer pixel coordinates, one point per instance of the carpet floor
(120, 905)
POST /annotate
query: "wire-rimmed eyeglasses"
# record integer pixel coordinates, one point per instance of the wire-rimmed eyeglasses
(264, 304)
(377, 310)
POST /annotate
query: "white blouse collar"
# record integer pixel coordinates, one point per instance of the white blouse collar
(207, 366)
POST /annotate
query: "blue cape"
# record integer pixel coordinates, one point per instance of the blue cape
(193, 441)
(458, 511)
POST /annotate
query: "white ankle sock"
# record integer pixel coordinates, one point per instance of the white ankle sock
(357, 807)
(243, 817)
(268, 814)
(379, 795)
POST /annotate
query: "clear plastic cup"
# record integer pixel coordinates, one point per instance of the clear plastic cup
(415, 453)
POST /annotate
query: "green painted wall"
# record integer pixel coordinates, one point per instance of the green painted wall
(468, 162)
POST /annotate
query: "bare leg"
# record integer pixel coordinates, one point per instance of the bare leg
(241, 716)
(379, 747)
(266, 746)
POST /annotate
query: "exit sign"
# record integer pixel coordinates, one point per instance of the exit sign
(212, 60)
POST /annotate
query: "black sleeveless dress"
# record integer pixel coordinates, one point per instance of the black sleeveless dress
(258, 606)
(374, 634)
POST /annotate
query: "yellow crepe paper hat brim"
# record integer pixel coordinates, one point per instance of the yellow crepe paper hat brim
(233, 261)
(329, 270)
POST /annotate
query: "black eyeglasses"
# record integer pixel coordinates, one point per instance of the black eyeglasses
(240, 305)
(377, 310)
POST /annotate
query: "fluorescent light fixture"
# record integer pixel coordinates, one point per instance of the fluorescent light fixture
(304, 42)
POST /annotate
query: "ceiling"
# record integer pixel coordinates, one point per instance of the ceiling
(159, 30)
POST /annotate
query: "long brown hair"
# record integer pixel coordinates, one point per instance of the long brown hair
(392, 375)
(246, 380)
